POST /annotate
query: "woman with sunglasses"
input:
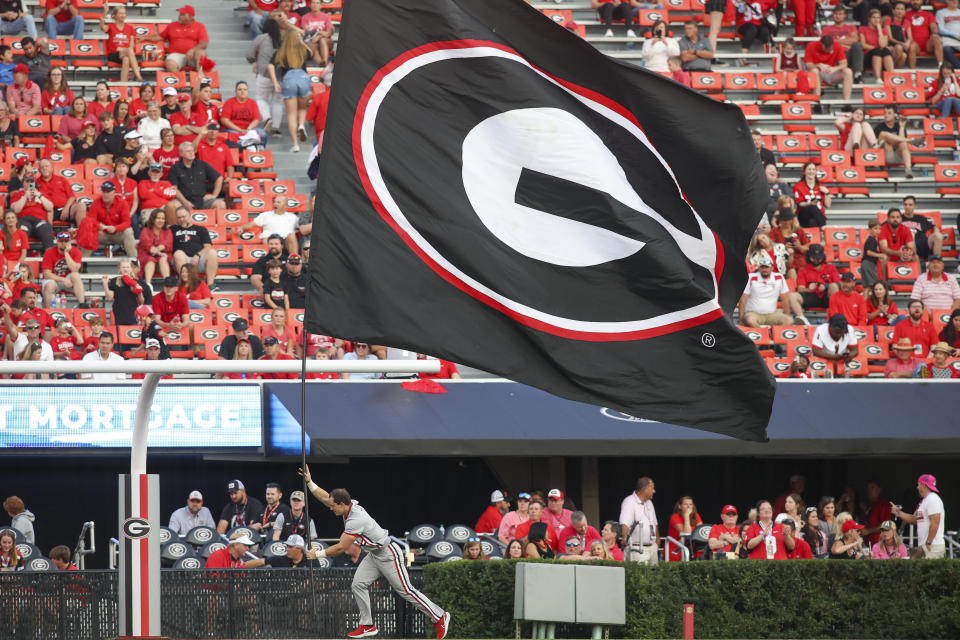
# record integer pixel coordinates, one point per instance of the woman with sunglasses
(472, 549)
(361, 352)
(889, 546)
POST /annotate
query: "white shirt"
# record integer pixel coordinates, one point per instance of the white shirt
(150, 131)
(46, 351)
(94, 356)
(656, 53)
(271, 223)
(948, 22)
(928, 506)
(823, 340)
(632, 509)
(764, 294)
(362, 376)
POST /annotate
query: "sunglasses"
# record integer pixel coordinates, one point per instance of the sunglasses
(473, 539)
(362, 346)
(827, 499)
(811, 510)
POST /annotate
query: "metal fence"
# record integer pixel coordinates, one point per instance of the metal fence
(261, 603)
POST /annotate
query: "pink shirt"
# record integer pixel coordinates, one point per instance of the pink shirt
(896, 365)
(558, 522)
(877, 552)
(24, 99)
(509, 523)
(936, 294)
(321, 22)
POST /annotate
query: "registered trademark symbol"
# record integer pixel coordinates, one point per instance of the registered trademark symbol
(708, 340)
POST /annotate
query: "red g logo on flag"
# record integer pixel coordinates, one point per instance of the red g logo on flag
(551, 196)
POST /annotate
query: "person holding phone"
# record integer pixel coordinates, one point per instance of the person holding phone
(659, 48)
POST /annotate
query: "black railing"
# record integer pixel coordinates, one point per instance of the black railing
(261, 603)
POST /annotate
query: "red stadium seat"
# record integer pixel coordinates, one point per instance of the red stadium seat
(128, 334)
(868, 158)
(241, 188)
(794, 111)
(946, 173)
(759, 337)
(739, 80)
(878, 95)
(776, 82)
(707, 81)
(908, 95)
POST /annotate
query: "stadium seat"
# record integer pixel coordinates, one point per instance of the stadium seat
(129, 335)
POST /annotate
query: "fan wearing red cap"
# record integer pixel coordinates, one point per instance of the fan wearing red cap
(186, 40)
(766, 539)
(850, 544)
(271, 349)
(555, 515)
(24, 95)
(929, 517)
(725, 536)
(61, 271)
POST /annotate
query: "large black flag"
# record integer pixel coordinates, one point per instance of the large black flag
(495, 191)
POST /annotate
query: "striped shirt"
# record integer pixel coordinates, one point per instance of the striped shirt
(358, 523)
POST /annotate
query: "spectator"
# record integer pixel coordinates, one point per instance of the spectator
(293, 522)
(113, 219)
(892, 136)
(950, 334)
(232, 556)
(540, 541)
(168, 154)
(905, 50)
(14, 242)
(90, 343)
(942, 93)
(36, 60)
(921, 333)
(15, 19)
(790, 60)
(777, 189)
(168, 102)
(110, 141)
(766, 156)
(766, 539)
(799, 368)
(275, 251)
(448, 370)
(61, 271)
(848, 38)
(319, 21)
(62, 18)
(828, 58)
(658, 48)
(361, 352)
(801, 550)
(32, 332)
(193, 515)
(274, 508)
(871, 270)
(489, 520)
(855, 131)
(793, 507)
(23, 96)
(811, 533)
(203, 105)
(581, 531)
(535, 512)
(83, 148)
(103, 353)
(29, 297)
(150, 331)
(751, 25)
(758, 304)
(610, 10)
(889, 546)
(241, 511)
(874, 511)
(927, 237)
(695, 52)
(835, 341)
(939, 368)
(61, 558)
(507, 529)
(9, 133)
(101, 100)
(186, 40)
(212, 150)
(317, 114)
(682, 522)
(905, 363)
(881, 309)
(159, 196)
(929, 517)
(171, 307)
(122, 119)
(924, 30)
(155, 245)
(274, 293)
(948, 26)
(555, 515)
(196, 290)
(151, 126)
(56, 188)
(278, 222)
(187, 124)
(127, 292)
(827, 510)
(56, 97)
(261, 53)
(120, 41)
(241, 330)
(295, 283)
(817, 280)
(787, 231)
(240, 115)
(288, 71)
(936, 289)
(10, 558)
(850, 545)
(610, 536)
(638, 520)
(813, 198)
(271, 351)
(848, 302)
(242, 351)
(876, 40)
(283, 332)
(22, 519)
(257, 13)
(6, 65)
(572, 549)
(724, 536)
(192, 245)
(199, 183)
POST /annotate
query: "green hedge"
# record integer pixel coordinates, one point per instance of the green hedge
(741, 599)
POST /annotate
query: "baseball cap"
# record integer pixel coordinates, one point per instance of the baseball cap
(195, 495)
(523, 496)
(929, 481)
(132, 135)
(234, 485)
(295, 541)
(935, 257)
(239, 340)
(849, 525)
(32, 324)
(187, 9)
(170, 281)
(765, 261)
(816, 251)
(297, 495)
(156, 166)
(169, 91)
(786, 213)
(22, 160)
(63, 235)
(791, 523)
(240, 324)
(242, 538)
(275, 235)
(293, 258)
(270, 340)
(728, 509)
(144, 310)
(21, 68)
(498, 496)
(886, 525)
(212, 126)
(555, 494)
(183, 97)
(108, 186)
(152, 343)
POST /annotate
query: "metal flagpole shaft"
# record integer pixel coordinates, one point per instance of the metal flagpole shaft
(141, 424)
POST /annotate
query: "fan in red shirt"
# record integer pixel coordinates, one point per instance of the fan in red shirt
(489, 520)
(168, 154)
(881, 309)
(156, 193)
(848, 302)
(171, 307)
(921, 333)
(448, 370)
(683, 520)
(58, 191)
(801, 550)
(113, 217)
(231, 556)
(67, 341)
(186, 123)
(61, 270)
(896, 240)
(919, 23)
(202, 94)
(215, 152)
(750, 23)
(240, 114)
(816, 280)
(323, 354)
(828, 58)
(317, 112)
(535, 511)
(725, 535)
(120, 38)
(13, 241)
(813, 199)
(271, 351)
(62, 18)
(766, 539)
(186, 40)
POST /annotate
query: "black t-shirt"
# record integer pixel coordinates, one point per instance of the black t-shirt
(767, 157)
(83, 150)
(125, 301)
(166, 111)
(110, 143)
(268, 515)
(870, 244)
(918, 223)
(194, 182)
(7, 6)
(260, 266)
(283, 562)
(6, 135)
(296, 288)
(229, 344)
(881, 126)
(242, 515)
(128, 156)
(343, 560)
(274, 290)
(190, 239)
(295, 525)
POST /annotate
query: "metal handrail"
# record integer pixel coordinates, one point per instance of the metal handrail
(684, 551)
